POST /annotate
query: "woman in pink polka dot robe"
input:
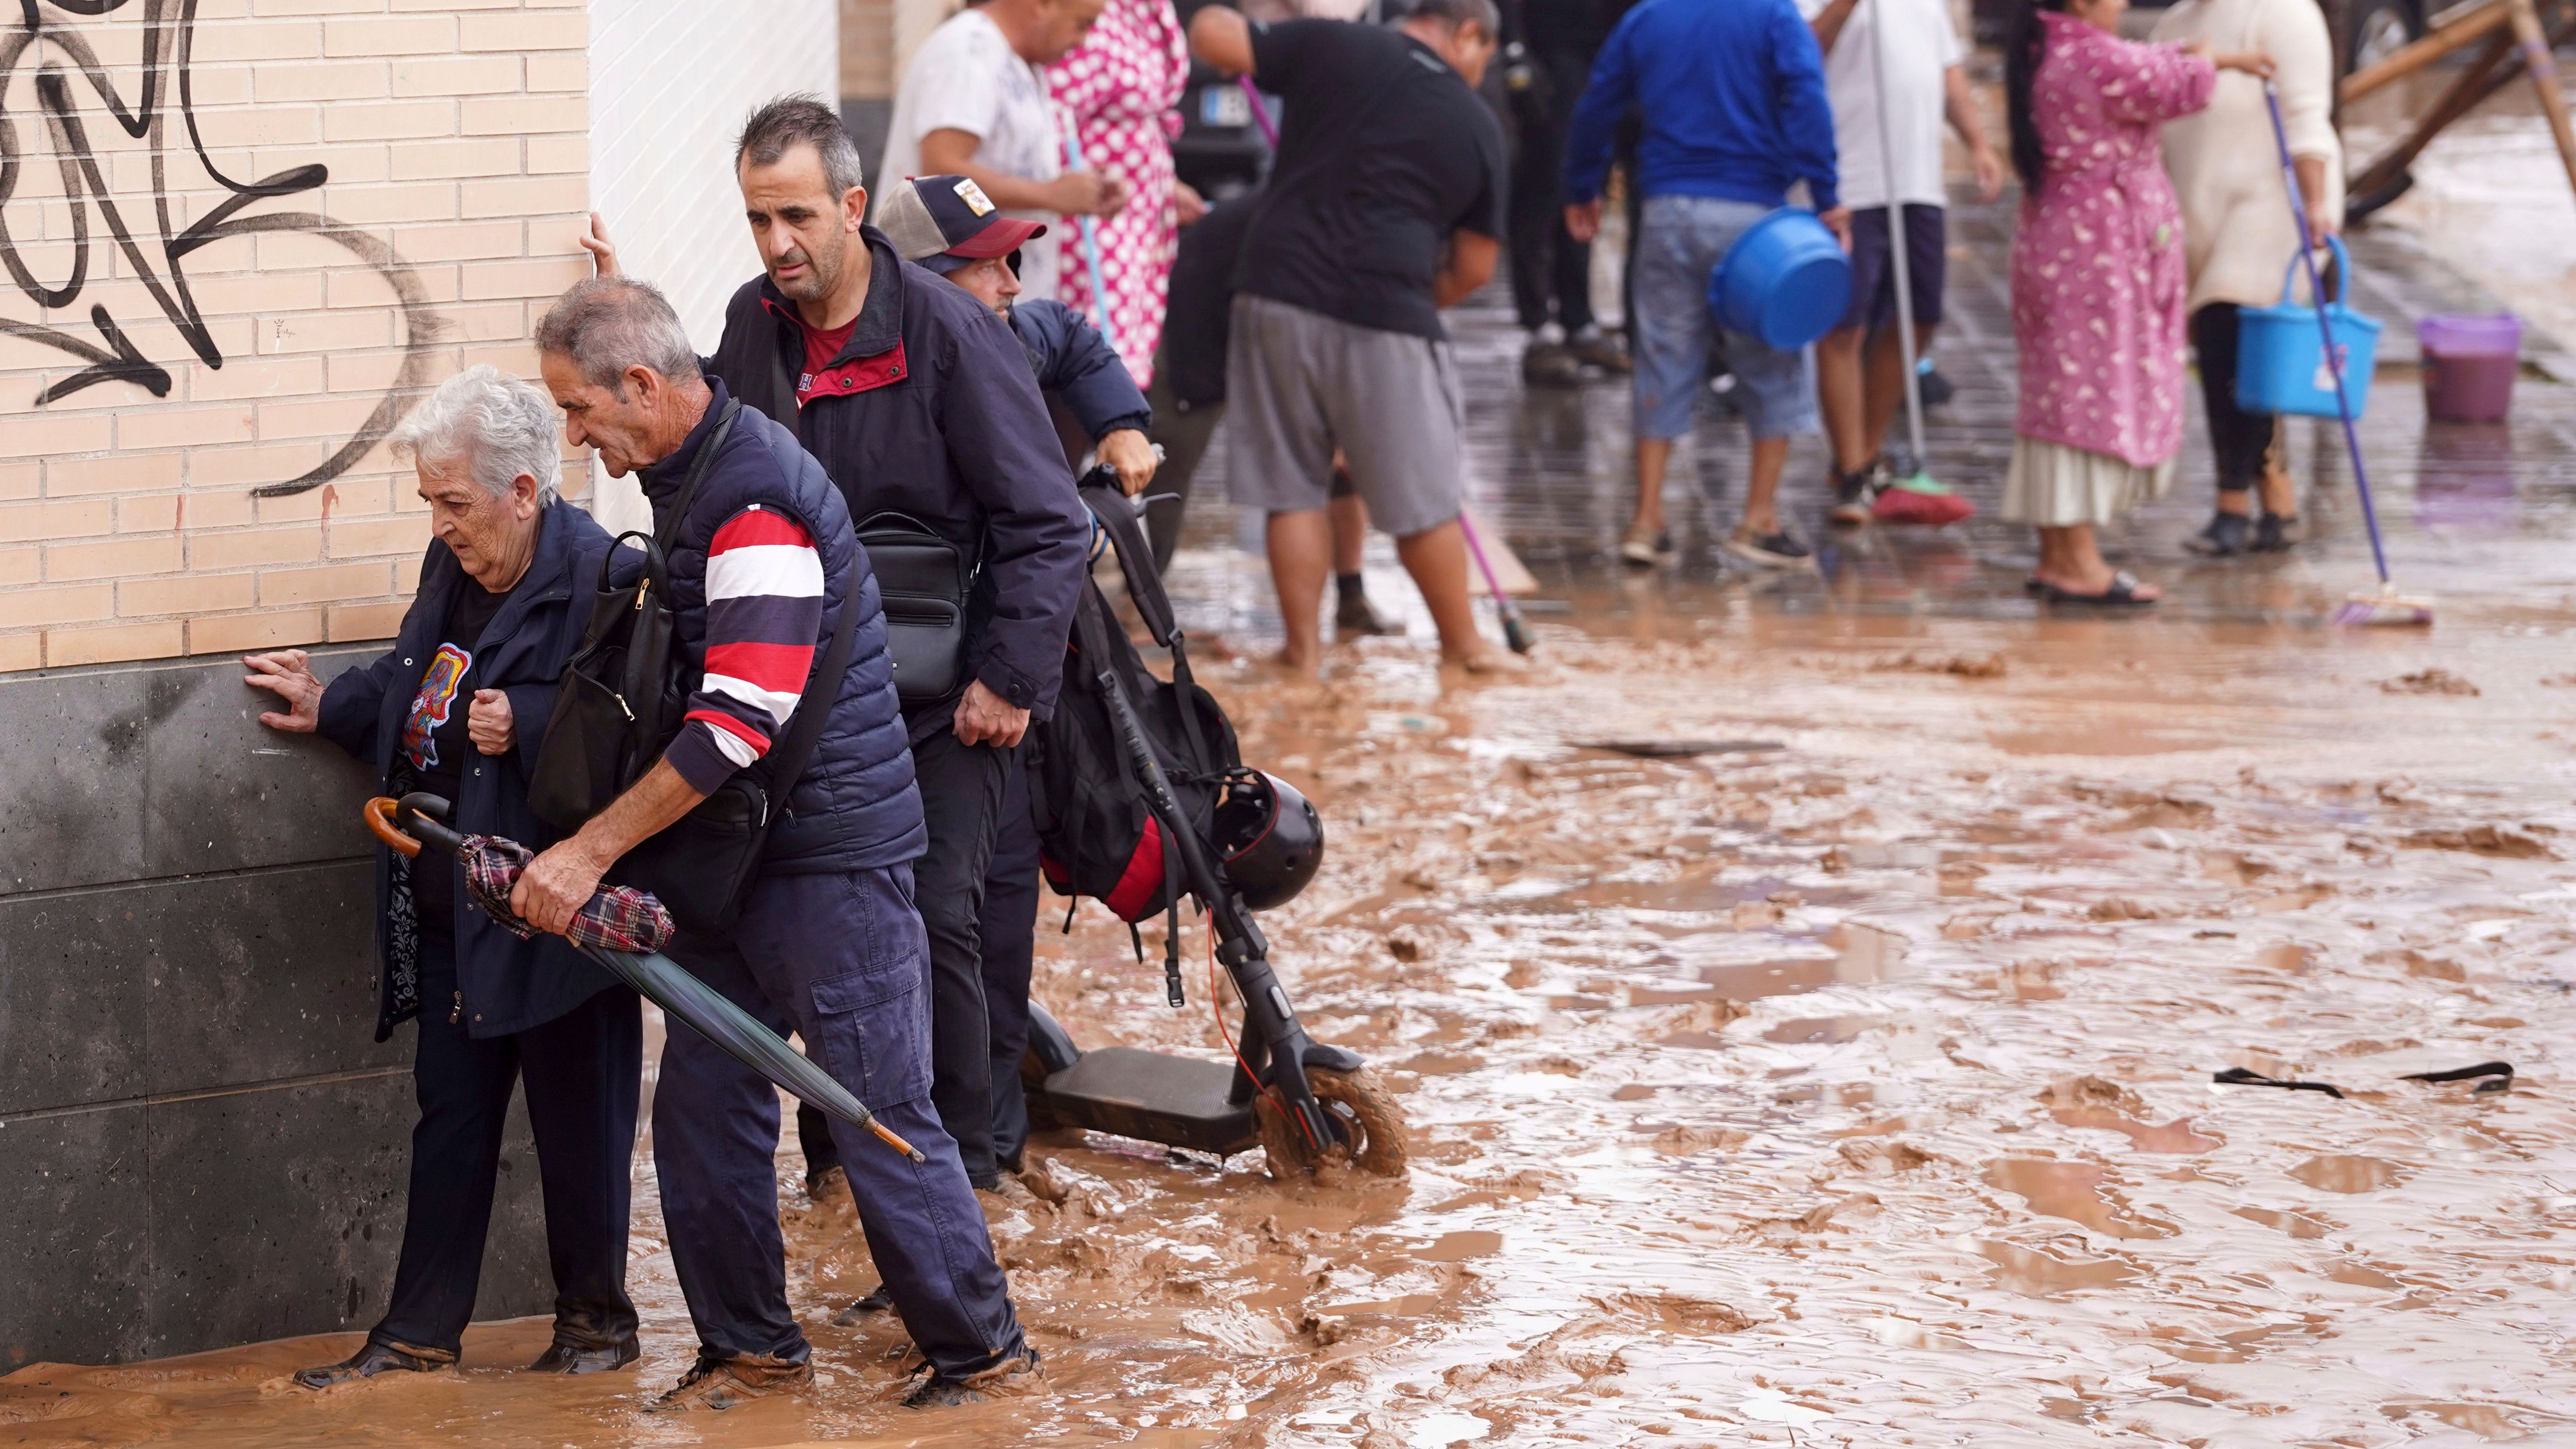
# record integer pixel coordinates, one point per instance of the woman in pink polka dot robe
(2097, 282)
(1118, 90)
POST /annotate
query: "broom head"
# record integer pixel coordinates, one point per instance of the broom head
(1919, 500)
(2386, 609)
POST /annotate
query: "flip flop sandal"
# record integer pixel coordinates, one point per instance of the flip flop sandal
(2123, 594)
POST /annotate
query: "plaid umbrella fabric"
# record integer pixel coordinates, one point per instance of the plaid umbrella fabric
(620, 918)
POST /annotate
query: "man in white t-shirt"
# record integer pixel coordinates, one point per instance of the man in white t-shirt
(1860, 369)
(974, 103)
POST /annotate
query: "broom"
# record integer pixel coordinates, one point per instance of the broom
(1917, 497)
(2386, 607)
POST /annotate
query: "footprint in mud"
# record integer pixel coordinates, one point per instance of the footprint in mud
(2339, 1172)
(2037, 1274)
(2073, 1191)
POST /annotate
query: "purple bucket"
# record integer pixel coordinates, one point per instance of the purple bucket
(2469, 363)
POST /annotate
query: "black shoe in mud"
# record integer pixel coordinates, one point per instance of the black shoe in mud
(576, 1358)
(1778, 549)
(939, 1393)
(1600, 350)
(878, 1301)
(2226, 537)
(1551, 364)
(2276, 534)
(1853, 495)
(372, 1361)
(722, 1383)
(1354, 616)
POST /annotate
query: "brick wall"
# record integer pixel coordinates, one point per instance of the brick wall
(331, 204)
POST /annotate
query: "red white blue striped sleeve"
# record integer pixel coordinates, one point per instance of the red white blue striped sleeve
(764, 611)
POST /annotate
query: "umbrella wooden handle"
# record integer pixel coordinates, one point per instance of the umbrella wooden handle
(379, 813)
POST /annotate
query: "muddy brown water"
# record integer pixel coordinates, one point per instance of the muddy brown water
(1854, 1091)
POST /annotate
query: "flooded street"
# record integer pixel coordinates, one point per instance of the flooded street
(1805, 993)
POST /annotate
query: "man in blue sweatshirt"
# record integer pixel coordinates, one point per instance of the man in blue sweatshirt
(1733, 97)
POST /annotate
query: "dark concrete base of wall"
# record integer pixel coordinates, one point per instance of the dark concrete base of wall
(201, 1141)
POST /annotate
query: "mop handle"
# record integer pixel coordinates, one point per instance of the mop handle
(1091, 248)
(1260, 112)
(1896, 234)
(2325, 326)
(1476, 546)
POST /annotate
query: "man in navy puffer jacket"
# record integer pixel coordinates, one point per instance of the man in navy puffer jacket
(830, 942)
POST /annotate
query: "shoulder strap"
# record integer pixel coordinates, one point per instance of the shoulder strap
(822, 691)
(688, 494)
(1117, 518)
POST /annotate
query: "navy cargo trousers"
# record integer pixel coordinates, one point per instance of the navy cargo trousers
(842, 960)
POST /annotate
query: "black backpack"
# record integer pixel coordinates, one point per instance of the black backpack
(1096, 835)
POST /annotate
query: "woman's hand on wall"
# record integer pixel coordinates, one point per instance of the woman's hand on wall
(488, 723)
(287, 675)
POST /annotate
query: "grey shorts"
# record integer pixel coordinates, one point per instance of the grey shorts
(1299, 384)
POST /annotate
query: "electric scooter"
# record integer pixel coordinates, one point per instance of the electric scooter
(1300, 1100)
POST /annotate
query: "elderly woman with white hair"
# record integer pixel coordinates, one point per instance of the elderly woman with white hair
(456, 708)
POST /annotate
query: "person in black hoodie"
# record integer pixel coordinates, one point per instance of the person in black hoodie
(457, 708)
(918, 401)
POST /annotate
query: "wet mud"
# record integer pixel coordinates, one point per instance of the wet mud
(1850, 1089)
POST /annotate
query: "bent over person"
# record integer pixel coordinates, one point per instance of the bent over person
(456, 708)
(917, 402)
(763, 560)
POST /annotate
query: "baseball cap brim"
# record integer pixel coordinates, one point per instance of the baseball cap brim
(999, 238)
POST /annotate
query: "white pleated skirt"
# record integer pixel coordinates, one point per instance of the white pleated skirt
(2052, 485)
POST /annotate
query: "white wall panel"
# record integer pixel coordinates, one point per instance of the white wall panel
(671, 81)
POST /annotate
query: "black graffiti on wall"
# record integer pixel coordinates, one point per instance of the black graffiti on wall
(62, 56)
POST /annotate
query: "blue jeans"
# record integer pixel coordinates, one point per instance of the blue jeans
(842, 960)
(1679, 242)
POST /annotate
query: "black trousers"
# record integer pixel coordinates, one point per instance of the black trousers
(1183, 433)
(582, 1072)
(1010, 953)
(1006, 932)
(961, 799)
(2240, 440)
(1548, 266)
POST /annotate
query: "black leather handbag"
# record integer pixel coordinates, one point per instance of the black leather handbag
(702, 864)
(924, 580)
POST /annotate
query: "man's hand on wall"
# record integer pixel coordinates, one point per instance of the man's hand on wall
(1127, 451)
(985, 718)
(601, 249)
(286, 674)
(488, 723)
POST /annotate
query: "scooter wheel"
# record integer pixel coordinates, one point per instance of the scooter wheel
(1368, 1127)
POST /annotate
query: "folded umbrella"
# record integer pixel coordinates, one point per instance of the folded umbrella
(621, 928)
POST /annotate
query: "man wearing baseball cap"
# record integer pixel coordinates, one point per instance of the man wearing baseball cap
(947, 225)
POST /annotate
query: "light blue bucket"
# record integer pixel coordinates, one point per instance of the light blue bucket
(2281, 357)
(1786, 280)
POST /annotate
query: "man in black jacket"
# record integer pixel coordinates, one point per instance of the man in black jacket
(917, 401)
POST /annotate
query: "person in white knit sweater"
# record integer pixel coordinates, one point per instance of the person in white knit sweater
(2238, 237)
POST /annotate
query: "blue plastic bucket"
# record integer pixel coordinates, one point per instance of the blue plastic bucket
(2280, 357)
(1785, 280)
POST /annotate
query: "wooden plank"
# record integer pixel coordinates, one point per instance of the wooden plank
(2534, 43)
(2432, 47)
(2490, 72)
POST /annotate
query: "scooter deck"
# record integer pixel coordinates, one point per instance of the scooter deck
(1177, 1101)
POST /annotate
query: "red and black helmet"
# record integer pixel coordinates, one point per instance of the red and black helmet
(1270, 836)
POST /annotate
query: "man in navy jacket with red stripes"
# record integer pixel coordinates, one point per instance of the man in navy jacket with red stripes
(763, 561)
(917, 400)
